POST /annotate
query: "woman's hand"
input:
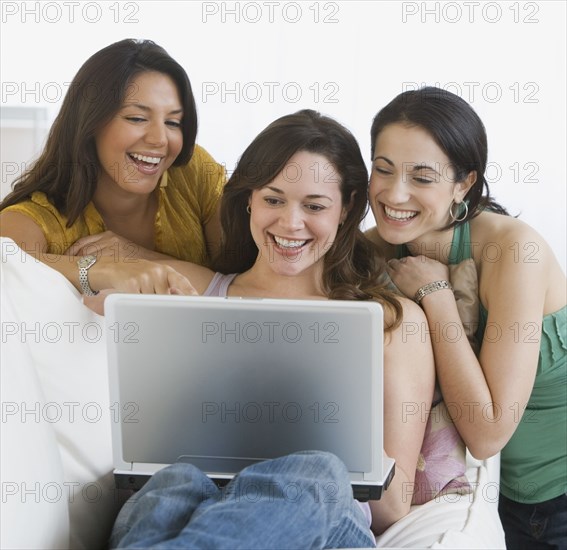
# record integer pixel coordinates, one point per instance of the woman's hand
(411, 273)
(110, 244)
(139, 277)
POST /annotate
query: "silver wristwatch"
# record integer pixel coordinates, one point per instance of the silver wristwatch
(429, 288)
(84, 264)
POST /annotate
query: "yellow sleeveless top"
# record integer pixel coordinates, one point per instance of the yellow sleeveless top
(188, 197)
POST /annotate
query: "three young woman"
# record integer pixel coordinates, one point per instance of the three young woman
(121, 179)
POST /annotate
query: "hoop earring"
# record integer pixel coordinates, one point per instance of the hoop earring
(248, 209)
(464, 216)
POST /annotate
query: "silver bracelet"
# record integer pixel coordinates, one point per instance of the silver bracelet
(429, 288)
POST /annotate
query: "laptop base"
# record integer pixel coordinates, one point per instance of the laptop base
(362, 493)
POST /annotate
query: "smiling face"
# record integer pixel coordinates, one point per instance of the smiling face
(294, 218)
(144, 138)
(412, 184)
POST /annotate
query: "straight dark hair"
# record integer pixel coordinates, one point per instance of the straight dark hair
(351, 269)
(457, 130)
(68, 169)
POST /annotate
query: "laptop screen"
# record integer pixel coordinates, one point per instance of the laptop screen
(226, 382)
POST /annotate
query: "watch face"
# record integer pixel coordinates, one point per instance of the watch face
(86, 261)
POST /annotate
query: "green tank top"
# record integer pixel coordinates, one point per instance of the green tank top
(534, 461)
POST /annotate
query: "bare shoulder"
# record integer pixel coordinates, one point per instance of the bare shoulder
(411, 311)
(496, 237)
(413, 326)
(510, 254)
(408, 353)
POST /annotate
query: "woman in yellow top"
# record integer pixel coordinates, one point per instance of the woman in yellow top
(120, 181)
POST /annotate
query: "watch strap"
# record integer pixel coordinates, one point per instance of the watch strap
(85, 264)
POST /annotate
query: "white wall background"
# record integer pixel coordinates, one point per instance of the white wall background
(250, 62)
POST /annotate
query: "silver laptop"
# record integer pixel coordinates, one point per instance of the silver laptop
(223, 383)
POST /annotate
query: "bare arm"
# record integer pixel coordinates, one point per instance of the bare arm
(108, 272)
(121, 249)
(109, 243)
(493, 389)
(409, 378)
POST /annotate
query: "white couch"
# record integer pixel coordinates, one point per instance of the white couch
(56, 462)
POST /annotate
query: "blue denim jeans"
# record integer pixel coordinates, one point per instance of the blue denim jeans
(538, 526)
(303, 500)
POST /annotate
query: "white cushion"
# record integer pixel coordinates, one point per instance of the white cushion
(34, 512)
(66, 343)
(452, 521)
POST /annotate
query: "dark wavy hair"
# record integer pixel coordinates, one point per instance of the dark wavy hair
(68, 169)
(351, 270)
(457, 130)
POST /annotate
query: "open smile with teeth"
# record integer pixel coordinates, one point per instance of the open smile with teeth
(399, 215)
(288, 243)
(144, 158)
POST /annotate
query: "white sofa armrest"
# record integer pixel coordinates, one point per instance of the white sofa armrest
(34, 511)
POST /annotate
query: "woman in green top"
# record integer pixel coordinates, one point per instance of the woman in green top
(429, 154)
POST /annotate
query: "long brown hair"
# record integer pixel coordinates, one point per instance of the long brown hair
(68, 169)
(351, 270)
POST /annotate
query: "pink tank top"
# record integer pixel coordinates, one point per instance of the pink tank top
(219, 284)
